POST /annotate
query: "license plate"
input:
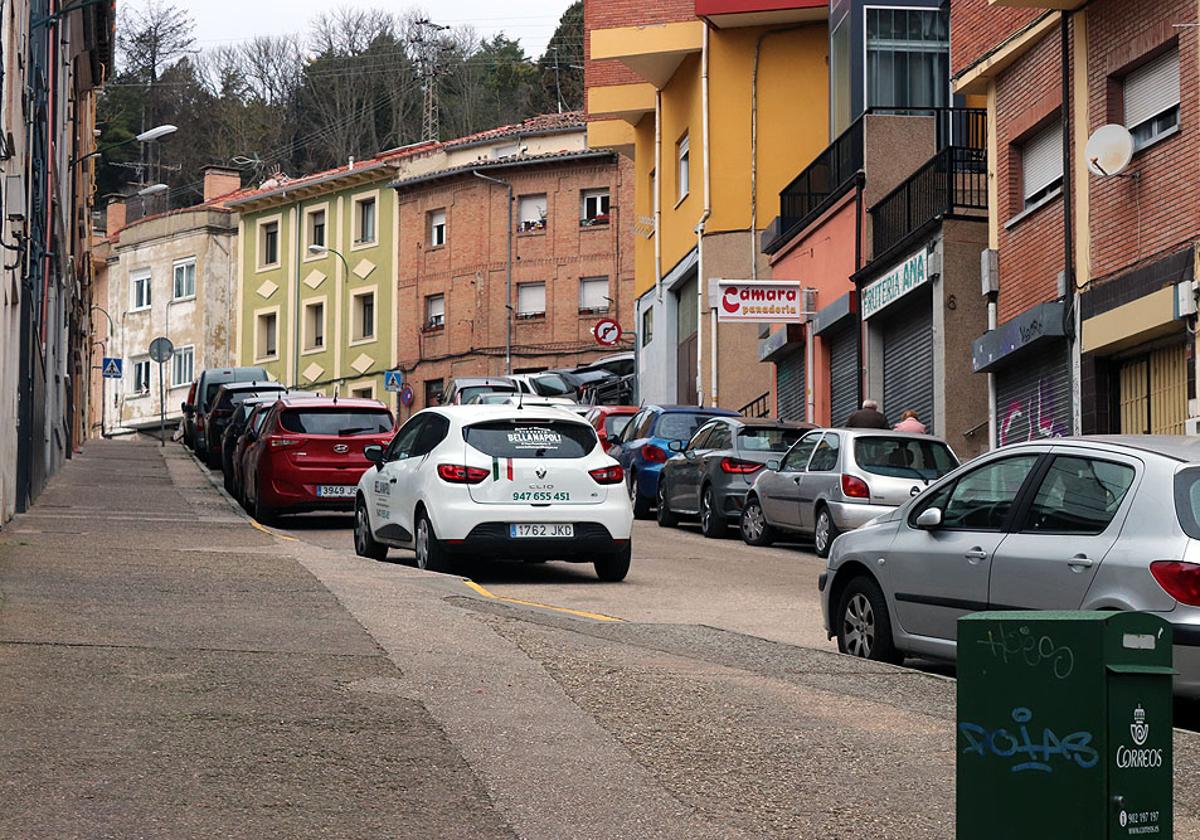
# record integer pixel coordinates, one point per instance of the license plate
(335, 491)
(539, 530)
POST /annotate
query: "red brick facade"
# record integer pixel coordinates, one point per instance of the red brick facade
(609, 14)
(469, 270)
(977, 26)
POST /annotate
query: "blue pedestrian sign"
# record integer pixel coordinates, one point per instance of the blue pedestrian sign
(393, 380)
(113, 368)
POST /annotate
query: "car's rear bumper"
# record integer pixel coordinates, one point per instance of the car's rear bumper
(731, 500)
(492, 540)
(297, 494)
(457, 519)
(850, 515)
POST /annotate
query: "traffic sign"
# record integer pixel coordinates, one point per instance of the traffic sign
(607, 332)
(161, 349)
(393, 380)
(406, 395)
(113, 368)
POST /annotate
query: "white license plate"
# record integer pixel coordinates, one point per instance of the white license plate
(335, 491)
(542, 530)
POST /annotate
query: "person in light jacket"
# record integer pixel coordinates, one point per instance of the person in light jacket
(910, 422)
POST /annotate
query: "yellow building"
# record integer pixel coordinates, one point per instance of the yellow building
(719, 104)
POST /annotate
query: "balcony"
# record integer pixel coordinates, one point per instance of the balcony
(824, 179)
(726, 14)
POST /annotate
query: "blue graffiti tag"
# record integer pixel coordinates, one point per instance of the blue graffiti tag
(1019, 746)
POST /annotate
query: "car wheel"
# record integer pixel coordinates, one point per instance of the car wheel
(262, 513)
(754, 526)
(712, 523)
(824, 533)
(863, 627)
(431, 554)
(364, 541)
(227, 478)
(613, 568)
(666, 519)
(212, 459)
(641, 505)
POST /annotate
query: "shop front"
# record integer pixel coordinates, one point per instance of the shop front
(786, 348)
(837, 328)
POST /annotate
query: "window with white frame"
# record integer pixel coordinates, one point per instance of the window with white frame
(363, 392)
(595, 208)
(314, 325)
(184, 285)
(364, 220)
(435, 312)
(266, 335)
(531, 300)
(684, 177)
(908, 58)
(593, 294)
(316, 228)
(1041, 164)
(531, 213)
(362, 314)
(268, 244)
(141, 377)
(183, 366)
(139, 291)
(437, 228)
(1151, 94)
(647, 326)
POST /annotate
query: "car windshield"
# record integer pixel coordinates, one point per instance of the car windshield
(472, 391)
(1187, 501)
(900, 457)
(336, 421)
(531, 438)
(768, 438)
(680, 425)
(551, 385)
(614, 424)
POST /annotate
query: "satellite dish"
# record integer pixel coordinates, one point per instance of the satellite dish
(1109, 150)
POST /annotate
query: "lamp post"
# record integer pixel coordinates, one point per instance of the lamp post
(316, 250)
(105, 344)
(148, 136)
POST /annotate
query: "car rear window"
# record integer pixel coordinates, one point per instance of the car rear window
(531, 438)
(679, 425)
(475, 390)
(551, 385)
(1187, 501)
(904, 457)
(336, 421)
(767, 439)
(614, 424)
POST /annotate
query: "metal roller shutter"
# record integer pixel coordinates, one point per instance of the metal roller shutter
(791, 396)
(908, 360)
(1033, 397)
(843, 374)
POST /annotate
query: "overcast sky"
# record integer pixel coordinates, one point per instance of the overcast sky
(532, 22)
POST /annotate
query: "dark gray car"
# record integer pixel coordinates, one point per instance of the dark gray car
(712, 472)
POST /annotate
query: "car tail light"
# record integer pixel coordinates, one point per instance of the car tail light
(458, 474)
(1179, 580)
(608, 475)
(654, 454)
(854, 487)
(280, 442)
(736, 466)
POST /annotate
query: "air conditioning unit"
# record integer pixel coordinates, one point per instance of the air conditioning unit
(1191, 426)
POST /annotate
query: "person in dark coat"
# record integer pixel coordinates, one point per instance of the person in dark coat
(868, 417)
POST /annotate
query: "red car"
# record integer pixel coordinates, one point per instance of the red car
(609, 421)
(308, 454)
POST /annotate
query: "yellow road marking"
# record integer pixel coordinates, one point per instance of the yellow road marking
(580, 613)
(273, 533)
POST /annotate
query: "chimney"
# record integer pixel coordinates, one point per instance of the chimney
(114, 214)
(219, 181)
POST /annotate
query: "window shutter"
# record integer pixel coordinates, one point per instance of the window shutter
(437, 307)
(1152, 89)
(1041, 159)
(531, 298)
(593, 293)
(532, 208)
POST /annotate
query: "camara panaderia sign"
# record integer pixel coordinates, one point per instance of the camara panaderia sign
(771, 301)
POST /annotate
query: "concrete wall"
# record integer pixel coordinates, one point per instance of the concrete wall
(964, 318)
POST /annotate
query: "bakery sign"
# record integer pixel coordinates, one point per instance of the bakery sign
(764, 301)
(908, 275)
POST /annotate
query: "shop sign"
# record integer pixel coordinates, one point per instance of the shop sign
(769, 301)
(909, 275)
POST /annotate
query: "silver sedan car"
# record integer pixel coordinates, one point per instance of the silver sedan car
(1091, 523)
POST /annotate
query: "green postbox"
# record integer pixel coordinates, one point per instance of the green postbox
(1064, 726)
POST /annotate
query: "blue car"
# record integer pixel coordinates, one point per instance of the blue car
(645, 445)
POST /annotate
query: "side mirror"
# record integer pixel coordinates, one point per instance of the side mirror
(677, 445)
(374, 454)
(187, 407)
(929, 518)
(773, 465)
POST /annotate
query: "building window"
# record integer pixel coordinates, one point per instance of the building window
(435, 312)
(908, 58)
(183, 366)
(141, 376)
(647, 326)
(437, 228)
(593, 294)
(185, 280)
(364, 392)
(531, 213)
(140, 292)
(595, 208)
(364, 221)
(1041, 164)
(314, 325)
(362, 314)
(531, 300)
(506, 150)
(433, 392)
(1151, 95)
(268, 244)
(316, 228)
(684, 156)
(265, 345)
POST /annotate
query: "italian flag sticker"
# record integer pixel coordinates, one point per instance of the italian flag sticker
(508, 468)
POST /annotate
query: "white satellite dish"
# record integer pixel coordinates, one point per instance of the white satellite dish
(1109, 150)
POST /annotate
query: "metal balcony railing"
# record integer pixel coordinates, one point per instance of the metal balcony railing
(806, 195)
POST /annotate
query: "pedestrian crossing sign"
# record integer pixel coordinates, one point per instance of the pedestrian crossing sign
(393, 380)
(113, 368)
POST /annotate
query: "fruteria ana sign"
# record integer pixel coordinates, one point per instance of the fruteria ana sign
(771, 301)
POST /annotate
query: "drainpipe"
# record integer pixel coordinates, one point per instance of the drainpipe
(292, 215)
(992, 318)
(508, 305)
(658, 292)
(1070, 289)
(706, 160)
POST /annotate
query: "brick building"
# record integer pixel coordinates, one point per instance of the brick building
(1090, 274)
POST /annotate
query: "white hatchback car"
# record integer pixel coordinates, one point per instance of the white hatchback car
(495, 482)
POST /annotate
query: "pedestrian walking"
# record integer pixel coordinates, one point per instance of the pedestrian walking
(868, 417)
(910, 422)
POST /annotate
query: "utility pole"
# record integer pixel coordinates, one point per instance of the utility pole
(427, 47)
(557, 83)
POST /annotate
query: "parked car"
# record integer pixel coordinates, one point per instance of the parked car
(713, 471)
(244, 404)
(464, 388)
(309, 454)
(189, 417)
(195, 410)
(609, 421)
(224, 404)
(495, 481)
(836, 480)
(1090, 523)
(618, 364)
(643, 446)
(258, 413)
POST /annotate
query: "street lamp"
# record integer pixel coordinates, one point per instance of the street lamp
(317, 251)
(153, 189)
(322, 250)
(148, 136)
